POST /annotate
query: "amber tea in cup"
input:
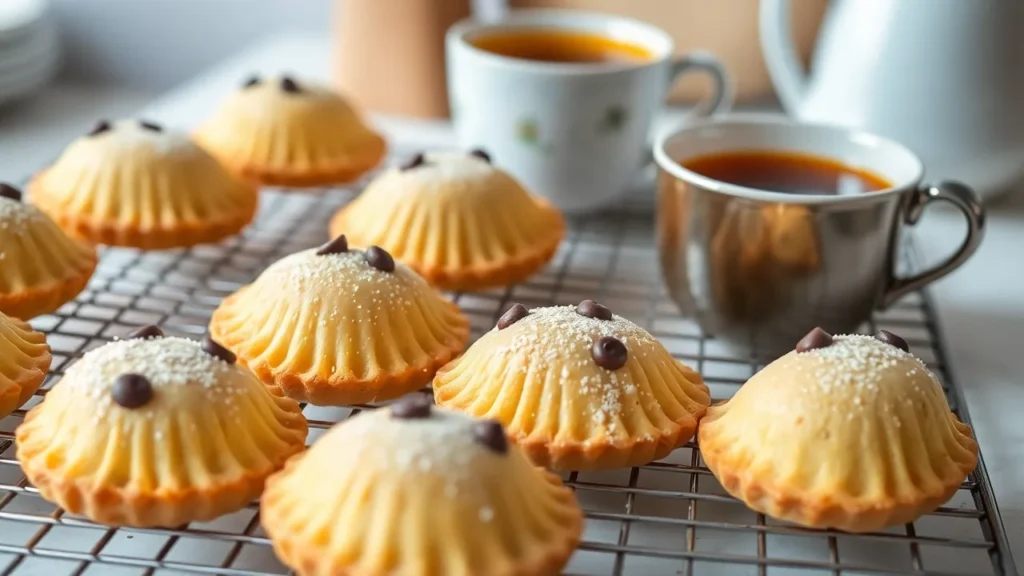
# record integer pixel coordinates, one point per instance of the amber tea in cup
(560, 45)
(787, 172)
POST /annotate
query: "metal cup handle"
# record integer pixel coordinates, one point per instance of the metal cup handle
(964, 198)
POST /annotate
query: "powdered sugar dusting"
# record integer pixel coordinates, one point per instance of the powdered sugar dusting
(559, 339)
(446, 168)
(859, 363)
(442, 445)
(127, 136)
(168, 363)
(347, 273)
(16, 216)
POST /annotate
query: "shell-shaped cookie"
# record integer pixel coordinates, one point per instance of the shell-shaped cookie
(41, 268)
(132, 183)
(157, 432)
(342, 327)
(855, 435)
(577, 387)
(282, 131)
(433, 493)
(460, 222)
(24, 360)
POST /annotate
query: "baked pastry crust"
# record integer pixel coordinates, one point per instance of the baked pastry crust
(378, 495)
(538, 378)
(855, 436)
(24, 360)
(201, 446)
(460, 222)
(306, 135)
(333, 330)
(148, 188)
(41, 268)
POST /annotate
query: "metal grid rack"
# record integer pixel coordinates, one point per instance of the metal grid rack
(669, 517)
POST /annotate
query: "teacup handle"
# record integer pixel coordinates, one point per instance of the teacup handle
(964, 198)
(721, 97)
(722, 94)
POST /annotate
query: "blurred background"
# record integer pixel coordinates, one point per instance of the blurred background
(111, 57)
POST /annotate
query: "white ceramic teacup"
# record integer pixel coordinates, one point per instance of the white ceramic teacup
(575, 133)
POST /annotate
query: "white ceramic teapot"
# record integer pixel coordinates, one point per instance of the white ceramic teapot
(944, 77)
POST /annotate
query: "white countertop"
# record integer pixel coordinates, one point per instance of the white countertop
(981, 306)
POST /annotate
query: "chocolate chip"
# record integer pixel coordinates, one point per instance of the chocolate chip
(481, 153)
(380, 259)
(145, 333)
(514, 314)
(100, 127)
(815, 339)
(592, 309)
(253, 80)
(609, 353)
(290, 86)
(337, 246)
(412, 408)
(8, 191)
(211, 347)
(893, 340)
(151, 126)
(415, 160)
(132, 391)
(491, 435)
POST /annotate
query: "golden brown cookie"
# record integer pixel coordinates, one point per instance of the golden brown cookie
(460, 222)
(154, 431)
(341, 326)
(287, 132)
(133, 183)
(848, 432)
(418, 491)
(577, 387)
(41, 268)
(24, 360)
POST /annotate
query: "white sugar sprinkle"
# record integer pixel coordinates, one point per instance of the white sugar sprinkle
(442, 446)
(445, 167)
(486, 514)
(860, 362)
(559, 335)
(166, 362)
(347, 273)
(127, 136)
(16, 216)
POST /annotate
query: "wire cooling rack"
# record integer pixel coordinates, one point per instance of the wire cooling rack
(669, 517)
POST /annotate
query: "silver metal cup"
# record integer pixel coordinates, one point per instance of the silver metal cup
(759, 268)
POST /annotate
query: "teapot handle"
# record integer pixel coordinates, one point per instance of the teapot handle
(780, 54)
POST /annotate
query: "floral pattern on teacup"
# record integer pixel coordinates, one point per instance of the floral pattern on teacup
(614, 120)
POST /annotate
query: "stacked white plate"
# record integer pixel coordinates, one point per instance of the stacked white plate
(29, 52)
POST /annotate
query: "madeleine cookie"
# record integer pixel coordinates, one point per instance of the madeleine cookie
(133, 183)
(279, 131)
(577, 387)
(41, 268)
(338, 326)
(24, 360)
(456, 219)
(847, 432)
(418, 491)
(154, 431)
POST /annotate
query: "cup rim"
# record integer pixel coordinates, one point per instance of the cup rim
(676, 170)
(527, 17)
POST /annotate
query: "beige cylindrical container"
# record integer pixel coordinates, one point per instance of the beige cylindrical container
(389, 54)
